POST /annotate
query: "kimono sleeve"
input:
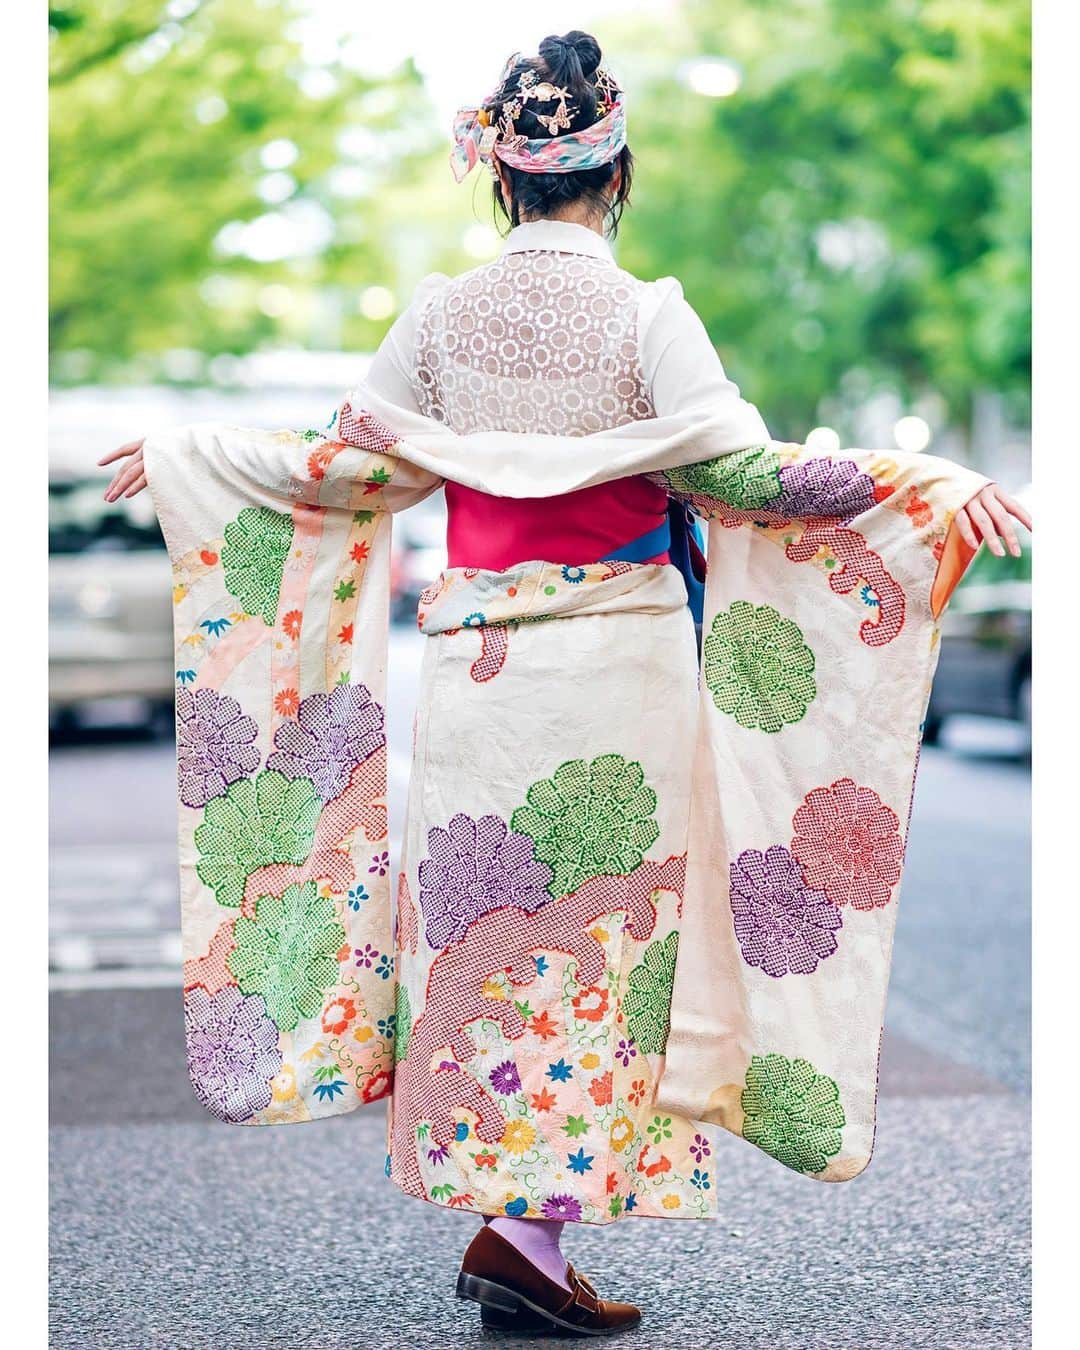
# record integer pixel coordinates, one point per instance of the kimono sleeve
(861, 513)
(280, 546)
(826, 576)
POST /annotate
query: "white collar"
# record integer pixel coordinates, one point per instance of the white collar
(561, 236)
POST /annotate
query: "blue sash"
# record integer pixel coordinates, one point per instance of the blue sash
(679, 535)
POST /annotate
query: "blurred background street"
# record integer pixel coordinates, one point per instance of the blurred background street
(243, 195)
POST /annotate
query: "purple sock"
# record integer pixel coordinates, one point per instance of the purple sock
(537, 1240)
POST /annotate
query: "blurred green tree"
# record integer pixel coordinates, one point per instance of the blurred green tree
(202, 194)
(856, 216)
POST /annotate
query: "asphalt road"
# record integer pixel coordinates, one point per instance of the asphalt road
(172, 1230)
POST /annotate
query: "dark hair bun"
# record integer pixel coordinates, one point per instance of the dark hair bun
(571, 59)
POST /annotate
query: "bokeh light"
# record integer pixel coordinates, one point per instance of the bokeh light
(712, 76)
(912, 434)
(377, 302)
(823, 440)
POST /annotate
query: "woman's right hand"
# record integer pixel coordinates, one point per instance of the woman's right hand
(130, 477)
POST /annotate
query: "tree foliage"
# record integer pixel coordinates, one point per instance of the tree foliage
(857, 215)
(161, 115)
(855, 218)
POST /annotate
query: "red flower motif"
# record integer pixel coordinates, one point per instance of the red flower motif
(883, 490)
(600, 1089)
(338, 1015)
(637, 1092)
(543, 1026)
(287, 702)
(920, 512)
(378, 1085)
(543, 1100)
(612, 1181)
(848, 842)
(346, 633)
(291, 623)
(652, 1162)
(319, 459)
(485, 1159)
(591, 1004)
(360, 551)
(343, 952)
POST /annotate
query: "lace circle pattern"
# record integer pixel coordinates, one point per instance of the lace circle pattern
(536, 341)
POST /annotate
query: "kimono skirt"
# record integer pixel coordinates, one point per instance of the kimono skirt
(540, 897)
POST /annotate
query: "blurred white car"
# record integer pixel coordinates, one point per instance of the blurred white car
(110, 610)
(110, 587)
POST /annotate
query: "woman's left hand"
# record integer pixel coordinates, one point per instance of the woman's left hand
(130, 478)
(986, 516)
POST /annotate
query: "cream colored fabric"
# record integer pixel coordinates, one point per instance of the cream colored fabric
(819, 649)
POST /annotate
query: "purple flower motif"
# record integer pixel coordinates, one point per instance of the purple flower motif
(504, 1078)
(625, 1051)
(365, 956)
(331, 734)
(783, 926)
(215, 744)
(833, 488)
(700, 1148)
(475, 866)
(380, 863)
(562, 1207)
(232, 1051)
(439, 1154)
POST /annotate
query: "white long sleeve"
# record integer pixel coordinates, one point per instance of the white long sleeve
(679, 362)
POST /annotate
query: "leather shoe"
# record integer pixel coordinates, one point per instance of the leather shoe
(512, 1291)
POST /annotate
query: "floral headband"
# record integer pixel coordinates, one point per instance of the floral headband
(478, 137)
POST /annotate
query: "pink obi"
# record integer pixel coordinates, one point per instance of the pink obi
(580, 527)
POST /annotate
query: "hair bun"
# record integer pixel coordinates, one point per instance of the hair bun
(571, 59)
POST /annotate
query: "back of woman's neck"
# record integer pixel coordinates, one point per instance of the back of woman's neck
(590, 220)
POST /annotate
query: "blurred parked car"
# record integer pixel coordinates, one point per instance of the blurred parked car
(110, 610)
(985, 662)
(419, 555)
(110, 633)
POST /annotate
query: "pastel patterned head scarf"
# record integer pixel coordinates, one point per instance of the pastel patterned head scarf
(477, 137)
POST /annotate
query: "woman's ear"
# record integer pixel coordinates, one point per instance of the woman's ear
(616, 181)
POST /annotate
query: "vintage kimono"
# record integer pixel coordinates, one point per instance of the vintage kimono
(637, 896)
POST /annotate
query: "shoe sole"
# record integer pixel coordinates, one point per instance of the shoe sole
(520, 1323)
(507, 1302)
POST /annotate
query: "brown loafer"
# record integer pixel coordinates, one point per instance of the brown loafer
(498, 1277)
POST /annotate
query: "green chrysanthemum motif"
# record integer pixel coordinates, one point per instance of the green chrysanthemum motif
(402, 1023)
(268, 819)
(647, 1005)
(746, 479)
(286, 952)
(256, 545)
(758, 668)
(792, 1112)
(589, 820)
